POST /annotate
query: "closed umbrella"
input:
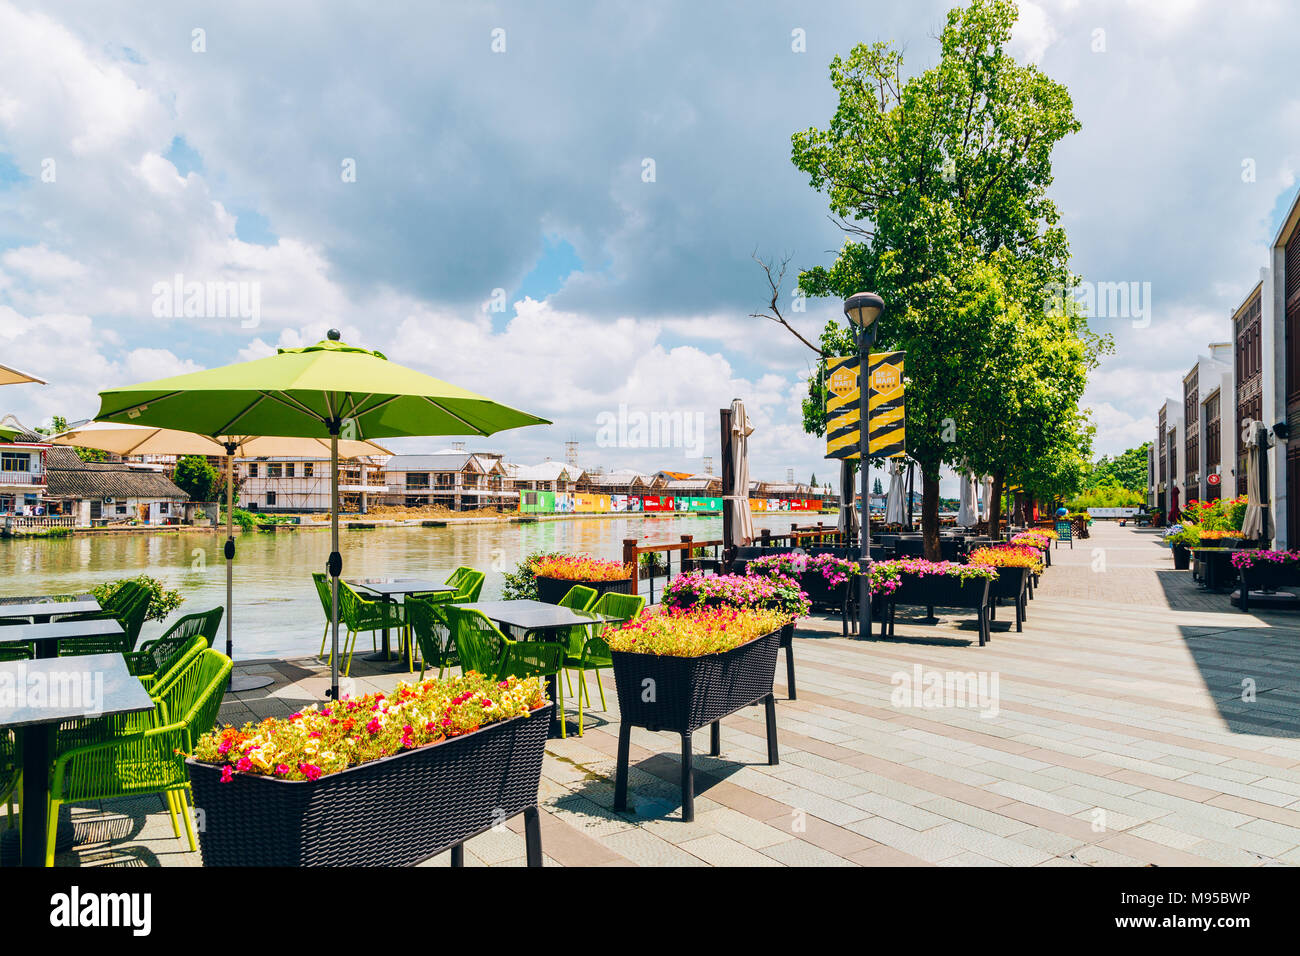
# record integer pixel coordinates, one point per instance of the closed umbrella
(966, 516)
(894, 513)
(330, 391)
(1252, 524)
(11, 376)
(848, 523)
(145, 440)
(986, 498)
(742, 519)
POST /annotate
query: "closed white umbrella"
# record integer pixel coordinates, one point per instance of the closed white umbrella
(742, 519)
(894, 513)
(1252, 525)
(986, 498)
(966, 516)
(848, 521)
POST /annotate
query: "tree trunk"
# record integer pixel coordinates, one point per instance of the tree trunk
(995, 506)
(930, 511)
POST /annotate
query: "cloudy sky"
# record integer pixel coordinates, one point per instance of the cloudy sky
(557, 207)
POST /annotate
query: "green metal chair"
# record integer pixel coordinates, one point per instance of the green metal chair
(151, 761)
(485, 649)
(467, 582)
(16, 652)
(579, 598)
(429, 628)
(322, 582)
(129, 609)
(358, 614)
(593, 654)
(11, 772)
(158, 655)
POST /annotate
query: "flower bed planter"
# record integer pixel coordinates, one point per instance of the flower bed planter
(1012, 584)
(395, 811)
(931, 591)
(552, 590)
(1182, 557)
(686, 693)
(1267, 577)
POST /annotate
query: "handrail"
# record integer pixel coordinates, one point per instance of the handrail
(632, 551)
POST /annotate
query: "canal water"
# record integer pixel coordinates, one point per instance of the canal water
(277, 612)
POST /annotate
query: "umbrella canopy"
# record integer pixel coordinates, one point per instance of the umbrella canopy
(966, 516)
(894, 511)
(742, 519)
(329, 390)
(848, 521)
(11, 376)
(1252, 524)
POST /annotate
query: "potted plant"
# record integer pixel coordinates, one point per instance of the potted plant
(1013, 564)
(380, 780)
(824, 578)
(776, 592)
(556, 574)
(932, 584)
(684, 668)
(1180, 538)
(1265, 571)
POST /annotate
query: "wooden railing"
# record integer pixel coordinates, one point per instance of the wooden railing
(686, 560)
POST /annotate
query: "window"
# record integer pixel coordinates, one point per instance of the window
(273, 469)
(308, 469)
(164, 507)
(288, 469)
(252, 469)
(120, 508)
(96, 509)
(417, 479)
(15, 461)
(270, 498)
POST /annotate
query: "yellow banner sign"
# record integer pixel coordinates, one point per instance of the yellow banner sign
(885, 405)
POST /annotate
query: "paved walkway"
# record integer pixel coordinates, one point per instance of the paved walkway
(1135, 721)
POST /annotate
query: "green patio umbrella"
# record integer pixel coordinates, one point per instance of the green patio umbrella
(327, 390)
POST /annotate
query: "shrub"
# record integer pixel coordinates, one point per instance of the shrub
(162, 600)
(521, 583)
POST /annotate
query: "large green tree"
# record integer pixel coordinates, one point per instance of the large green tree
(930, 177)
(198, 479)
(1127, 470)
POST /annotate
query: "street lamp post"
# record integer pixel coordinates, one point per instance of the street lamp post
(862, 310)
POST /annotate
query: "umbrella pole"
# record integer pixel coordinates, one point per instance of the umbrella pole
(238, 682)
(335, 563)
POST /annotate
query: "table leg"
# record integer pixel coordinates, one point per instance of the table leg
(385, 653)
(37, 741)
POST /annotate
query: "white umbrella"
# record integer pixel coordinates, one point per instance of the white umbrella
(123, 439)
(742, 519)
(894, 512)
(966, 516)
(1252, 525)
(986, 497)
(848, 521)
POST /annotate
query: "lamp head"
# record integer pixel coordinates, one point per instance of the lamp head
(863, 309)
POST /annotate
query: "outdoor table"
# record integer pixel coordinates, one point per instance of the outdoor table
(46, 637)
(538, 617)
(94, 685)
(41, 611)
(389, 589)
(1217, 565)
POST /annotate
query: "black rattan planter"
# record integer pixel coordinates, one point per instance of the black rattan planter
(942, 590)
(686, 693)
(1262, 579)
(1012, 584)
(1182, 557)
(552, 590)
(395, 811)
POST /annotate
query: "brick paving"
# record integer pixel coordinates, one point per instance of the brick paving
(1137, 721)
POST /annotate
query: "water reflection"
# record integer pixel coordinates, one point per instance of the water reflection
(277, 612)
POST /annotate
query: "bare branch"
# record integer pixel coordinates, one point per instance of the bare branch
(774, 283)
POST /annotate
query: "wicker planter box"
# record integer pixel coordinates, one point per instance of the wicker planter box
(1267, 577)
(552, 590)
(942, 590)
(1012, 584)
(395, 811)
(1182, 557)
(686, 694)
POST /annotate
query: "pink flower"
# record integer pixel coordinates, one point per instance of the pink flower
(310, 771)
(227, 774)
(244, 765)
(373, 726)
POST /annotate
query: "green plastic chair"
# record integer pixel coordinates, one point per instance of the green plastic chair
(161, 661)
(322, 582)
(152, 761)
(579, 598)
(11, 773)
(593, 654)
(429, 628)
(158, 655)
(358, 614)
(129, 609)
(485, 649)
(467, 582)
(16, 652)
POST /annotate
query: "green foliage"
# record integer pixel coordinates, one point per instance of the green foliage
(244, 520)
(1105, 496)
(1127, 470)
(521, 583)
(60, 424)
(197, 478)
(162, 600)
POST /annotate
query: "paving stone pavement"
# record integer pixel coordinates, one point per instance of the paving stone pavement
(1135, 721)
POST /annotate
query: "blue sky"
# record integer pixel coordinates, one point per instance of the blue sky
(524, 170)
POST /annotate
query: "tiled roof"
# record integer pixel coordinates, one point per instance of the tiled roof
(96, 479)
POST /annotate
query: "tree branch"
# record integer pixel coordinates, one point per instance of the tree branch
(774, 283)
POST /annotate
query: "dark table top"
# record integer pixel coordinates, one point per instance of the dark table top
(534, 615)
(390, 586)
(1215, 550)
(93, 627)
(95, 685)
(48, 608)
